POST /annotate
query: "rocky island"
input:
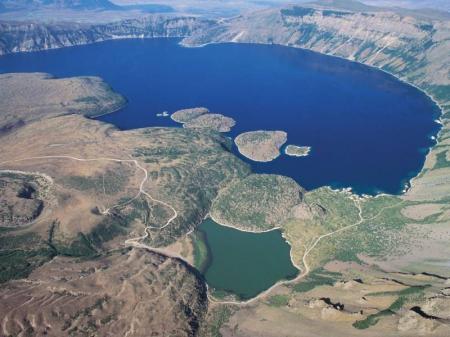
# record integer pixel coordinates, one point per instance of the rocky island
(261, 145)
(186, 115)
(201, 118)
(297, 151)
(216, 122)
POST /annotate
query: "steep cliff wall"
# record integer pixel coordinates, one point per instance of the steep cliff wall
(26, 36)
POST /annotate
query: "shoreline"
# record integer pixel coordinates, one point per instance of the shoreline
(110, 38)
(279, 228)
(439, 121)
(410, 181)
(301, 271)
(287, 150)
(94, 117)
(241, 229)
(241, 147)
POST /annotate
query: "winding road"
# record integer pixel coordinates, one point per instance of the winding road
(134, 241)
(137, 242)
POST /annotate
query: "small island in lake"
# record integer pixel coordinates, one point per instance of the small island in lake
(201, 118)
(186, 115)
(162, 114)
(216, 122)
(261, 145)
(297, 151)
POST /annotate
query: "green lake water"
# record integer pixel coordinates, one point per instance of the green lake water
(242, 263)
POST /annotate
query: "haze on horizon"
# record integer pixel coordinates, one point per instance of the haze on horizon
(442, 5)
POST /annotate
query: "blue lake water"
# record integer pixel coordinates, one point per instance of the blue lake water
(367, 130)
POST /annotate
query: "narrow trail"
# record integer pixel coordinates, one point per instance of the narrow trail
(136, 242)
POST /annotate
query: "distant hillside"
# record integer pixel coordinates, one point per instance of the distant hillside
(13, 5)
(78, 5)
(435, 4)
(437, 12)
(411, 47)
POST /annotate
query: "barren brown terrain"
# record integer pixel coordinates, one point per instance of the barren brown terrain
(127, 292)
(71, 201)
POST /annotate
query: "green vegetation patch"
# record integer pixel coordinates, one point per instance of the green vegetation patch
(337, 14)
(20, 254)
(441, 160)
(316, 278)
(201, 251)
(339, 209)
(407, 295)
(219, 316)
(107, 230)
(278, 300)
(259, 201)
(308, 31)
(440, 92)
(111, 182)
(428, 27)
(16, 264)
(373, 207)
(87, 99)
(221, 294)
(380, 234)
(88, 245)
(404, 292)
(377, 233)
(192, 167)
(298, 11)
(78, 247)
(163, 151)
(26, 241)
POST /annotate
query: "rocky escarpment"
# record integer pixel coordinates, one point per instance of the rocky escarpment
(27, 36)
(21, 198)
